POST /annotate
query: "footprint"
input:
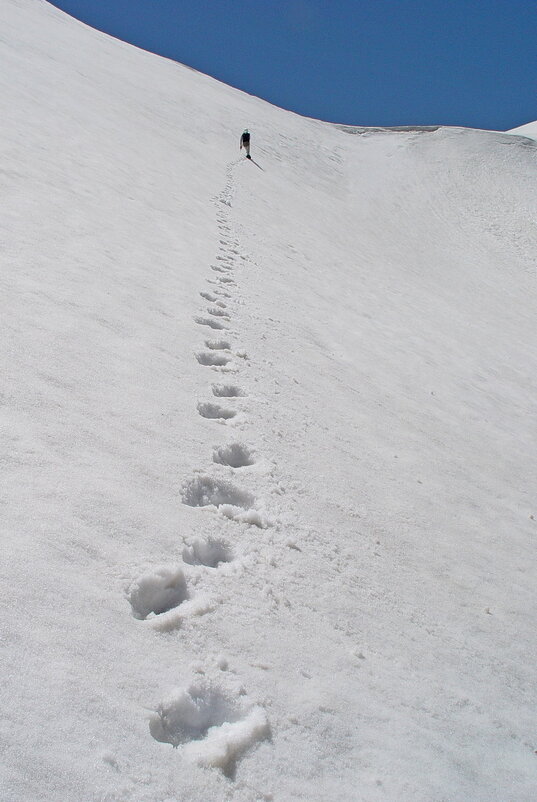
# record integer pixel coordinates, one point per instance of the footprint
(204, 491)
(218, 345)
(221, 304)
(157, 592)
(208, 296)
(210, 552)
(227, 391)
(216, 282)
(211, 358)
(212, 728)
(217, 312)
(231, 501)
(236, 455)
(220, 269)
(207, 321)
(214, 411)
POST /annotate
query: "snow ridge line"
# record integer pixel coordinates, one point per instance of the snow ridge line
(213, 726)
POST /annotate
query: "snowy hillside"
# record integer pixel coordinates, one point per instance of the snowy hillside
(529, 130)
(268, 443)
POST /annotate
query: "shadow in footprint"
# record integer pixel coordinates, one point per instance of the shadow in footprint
(210, 552)
(208, 321)
(218, 345)
(157, 592)
(227, 391)
(212, 359)
(215, 411)
(189, 714)
(217, 312)
(235, 455)
(204, 491)
(212, 728)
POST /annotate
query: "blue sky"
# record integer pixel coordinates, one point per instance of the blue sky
(363, 62)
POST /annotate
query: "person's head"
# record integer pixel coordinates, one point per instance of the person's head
(246, 131)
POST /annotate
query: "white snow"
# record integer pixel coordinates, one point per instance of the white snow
(529, 130)
(310, 568)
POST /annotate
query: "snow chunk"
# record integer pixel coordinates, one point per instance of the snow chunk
(225, 744)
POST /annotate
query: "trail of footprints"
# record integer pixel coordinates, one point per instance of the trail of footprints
(212, 725)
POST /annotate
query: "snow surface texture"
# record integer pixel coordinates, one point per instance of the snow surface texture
(268, 443)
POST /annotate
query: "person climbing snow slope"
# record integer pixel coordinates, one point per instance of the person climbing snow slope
(245, 143)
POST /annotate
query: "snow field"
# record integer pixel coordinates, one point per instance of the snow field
(268, 443)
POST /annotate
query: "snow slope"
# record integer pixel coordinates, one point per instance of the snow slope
(268, 443)
(529, 130)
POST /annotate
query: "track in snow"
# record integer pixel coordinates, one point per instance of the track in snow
(212, 728)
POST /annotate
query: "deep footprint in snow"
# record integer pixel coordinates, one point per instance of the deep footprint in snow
(217, 312)
(218, 345)
(231, 501)
(212, 728)
(190, 713)
(235, 455)
(208, 321)
(210, 552)
(217, 284)
(215, 411)
(227, 391)
(212, 358)
(208, 296)
(157, 592)
(204, 491)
